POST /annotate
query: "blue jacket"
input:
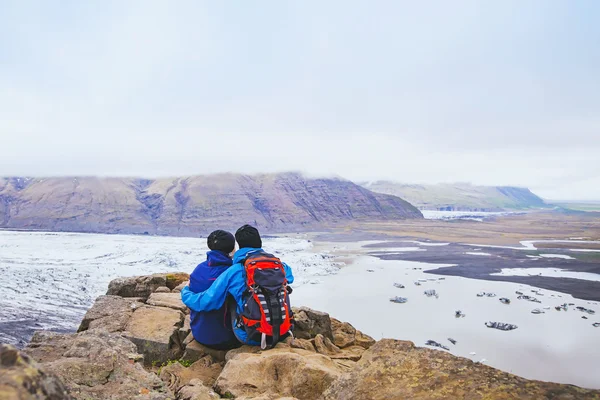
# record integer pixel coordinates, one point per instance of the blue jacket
(210, 327)
(233, 282)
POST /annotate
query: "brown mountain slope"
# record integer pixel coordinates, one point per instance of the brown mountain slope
(190, 205)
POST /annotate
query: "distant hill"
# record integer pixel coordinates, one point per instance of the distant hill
(190, 205)
(460, 196)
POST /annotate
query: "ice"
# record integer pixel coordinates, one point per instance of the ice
(551, 272)
(49, 280)
(563, 256)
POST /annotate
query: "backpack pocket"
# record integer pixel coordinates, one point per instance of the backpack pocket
(251, 318)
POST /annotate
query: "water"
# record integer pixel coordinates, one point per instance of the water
(49, 280)
(555, 346)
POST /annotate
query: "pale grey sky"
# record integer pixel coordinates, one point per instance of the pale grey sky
(489, 92)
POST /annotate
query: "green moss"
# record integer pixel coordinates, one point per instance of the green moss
(185, 363)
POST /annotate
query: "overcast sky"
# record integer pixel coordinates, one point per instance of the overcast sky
(489, 92)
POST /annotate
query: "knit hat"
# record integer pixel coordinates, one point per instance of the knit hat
(221, 240)
(248, 236)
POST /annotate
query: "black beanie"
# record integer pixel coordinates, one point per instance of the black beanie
(248, 236)
(221, 240)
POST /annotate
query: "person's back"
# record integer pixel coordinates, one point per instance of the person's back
(213, 328)
(233, 282)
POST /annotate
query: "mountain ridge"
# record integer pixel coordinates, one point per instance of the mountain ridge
(191, 204)
(460, 196)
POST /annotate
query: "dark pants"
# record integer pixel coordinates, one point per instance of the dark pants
(232, 344)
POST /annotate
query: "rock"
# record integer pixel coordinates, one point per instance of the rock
(195, 351)
(144, 286)
(393, 369)
(302, 344)
(309, 323)
(352, 353)
(277, 372)
(110, 313)
(155, 331)
(195, 390)
(345, 335)
(170, 300)
(23, 378)
(324, 346)
(97, 365)
(176, 375)
(162, 289)
(184, 331)
(345, 364)
(178, 288)
(245, 349)
(362, 340)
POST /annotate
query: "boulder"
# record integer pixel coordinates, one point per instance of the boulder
(394, 370)
(309, 323)
(345, 335)
(110, 313)
(162, 289)
(155, 331)
(277, 373)
(194, 351)
(97, 365)
(245, 349)
(178, 288)
(169, 300)
(144, 286)
(176, 375)
(324, 346)
(195, 390)
(302, 344)
(23, 378)
(353, 353)
(185, 330)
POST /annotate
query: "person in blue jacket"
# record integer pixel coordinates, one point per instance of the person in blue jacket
(213, 328)
(231, 282)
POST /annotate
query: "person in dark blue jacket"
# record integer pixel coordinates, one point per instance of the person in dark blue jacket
(213, 328)
(232, 282)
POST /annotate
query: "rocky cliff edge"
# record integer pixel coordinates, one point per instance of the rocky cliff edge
(135, 343)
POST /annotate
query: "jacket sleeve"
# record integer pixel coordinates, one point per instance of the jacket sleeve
(288, 273)
(212, 298)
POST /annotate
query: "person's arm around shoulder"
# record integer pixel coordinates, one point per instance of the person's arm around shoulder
(212, 298)
(288, 273)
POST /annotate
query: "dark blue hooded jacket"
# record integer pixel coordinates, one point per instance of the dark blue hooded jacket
(210, 327)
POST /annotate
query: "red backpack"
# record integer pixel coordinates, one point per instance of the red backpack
(267, 314)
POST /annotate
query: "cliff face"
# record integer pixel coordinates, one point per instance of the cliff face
(190, 205)
(460, 196)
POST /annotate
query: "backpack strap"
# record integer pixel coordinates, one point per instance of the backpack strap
(276, 316)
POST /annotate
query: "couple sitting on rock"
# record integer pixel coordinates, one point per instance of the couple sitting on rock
(244, 300)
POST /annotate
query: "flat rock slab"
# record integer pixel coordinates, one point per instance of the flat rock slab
(110, 313)
(170, 300)
(155, 331)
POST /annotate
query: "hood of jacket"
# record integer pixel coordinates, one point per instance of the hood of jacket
(243, 253)
(216, 258)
